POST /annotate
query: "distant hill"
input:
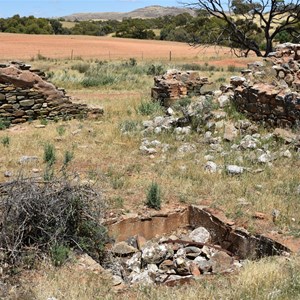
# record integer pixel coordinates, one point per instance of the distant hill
(148, 12)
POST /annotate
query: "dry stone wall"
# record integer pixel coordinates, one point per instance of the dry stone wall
(175, 84)
(25, 95)
(277, 104)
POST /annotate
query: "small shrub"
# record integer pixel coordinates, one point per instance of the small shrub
(59, 254)
(233, 69)
(102, 80)
(221, 79)
(132, 62)
(49, 154)
(81, 67)
(39, 56)
(5, 141)
(147, 108)
(61, 130)
(68, 157)
(129, 126)
(153, 196)
(182, 103)
(44, 121)
(4, 123)
(155, 70)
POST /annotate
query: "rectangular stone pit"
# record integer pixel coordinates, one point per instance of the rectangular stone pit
(223, 232)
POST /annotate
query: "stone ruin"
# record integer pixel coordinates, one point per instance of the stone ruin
(266, 92)
(276, 103)
(176, 84)
(176, 247)
(26, 95)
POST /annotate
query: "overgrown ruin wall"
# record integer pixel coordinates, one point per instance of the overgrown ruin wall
(25, 95)
(277, 104)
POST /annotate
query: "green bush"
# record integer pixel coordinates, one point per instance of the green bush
(129, 126)
(61, 130)
(4, 123)
(98, 80)
(147, 108)
(59, 254)
(81, 67)
(5, 141)
(49, 154)
(155, 70)
(153, 196)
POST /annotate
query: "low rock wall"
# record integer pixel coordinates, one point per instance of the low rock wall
(175, 84)
(24, 95)
(277, 103)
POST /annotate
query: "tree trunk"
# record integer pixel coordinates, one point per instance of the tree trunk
(269, 46)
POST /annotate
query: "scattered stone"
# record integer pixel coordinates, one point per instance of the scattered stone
(28, 159)
(170, 111)
(230, 132)
(200, 235)
(211, 167)
(174, 280)
(223, 100)
(221, 262)
(209, 157)
(286, 154)
(122, 248)
(143, 277)
(153, 253)
(264, 158)
(187, 148)
(234, 169)
(203, 264)
(181, 266)
(148, 151)
(134, 263)
(284, 134)
(8, 174)
(259, 215)
(117, 280)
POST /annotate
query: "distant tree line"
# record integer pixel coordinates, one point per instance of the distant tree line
(202, 29)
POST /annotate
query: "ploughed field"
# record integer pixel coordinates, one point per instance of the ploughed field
(26, 47)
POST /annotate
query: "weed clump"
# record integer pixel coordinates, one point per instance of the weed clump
(154, 196)
(148, 108)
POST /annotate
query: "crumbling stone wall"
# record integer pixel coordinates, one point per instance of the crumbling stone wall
(175, 84)
(25, 95)
(277, 104)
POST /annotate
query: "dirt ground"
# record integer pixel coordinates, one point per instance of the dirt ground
(26, 47)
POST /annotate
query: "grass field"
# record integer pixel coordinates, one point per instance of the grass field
(104, 155)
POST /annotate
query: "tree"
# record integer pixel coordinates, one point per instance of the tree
(252, 25)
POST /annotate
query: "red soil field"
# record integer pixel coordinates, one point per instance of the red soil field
(26, 47)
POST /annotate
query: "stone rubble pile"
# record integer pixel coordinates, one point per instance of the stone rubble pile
(26, 95)
(176, 84)
(173, 259)
(217, 130)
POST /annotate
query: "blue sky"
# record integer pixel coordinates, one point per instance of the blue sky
(58, 8)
